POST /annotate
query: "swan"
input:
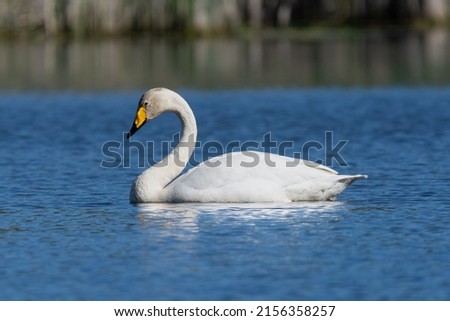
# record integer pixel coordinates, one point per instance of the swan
(238, 177)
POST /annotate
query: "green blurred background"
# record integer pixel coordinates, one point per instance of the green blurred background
(136, 44)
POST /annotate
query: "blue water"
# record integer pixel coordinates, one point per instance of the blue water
(68, 232)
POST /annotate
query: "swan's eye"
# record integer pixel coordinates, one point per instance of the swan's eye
(145, 103)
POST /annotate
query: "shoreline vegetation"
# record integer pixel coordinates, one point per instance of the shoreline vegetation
(87, 18)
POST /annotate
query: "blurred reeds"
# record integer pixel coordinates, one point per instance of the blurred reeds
(93, 17)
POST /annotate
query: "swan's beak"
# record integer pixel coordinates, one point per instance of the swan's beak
(139, 120)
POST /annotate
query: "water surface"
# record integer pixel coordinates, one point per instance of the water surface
(67, 230)
(317, 57)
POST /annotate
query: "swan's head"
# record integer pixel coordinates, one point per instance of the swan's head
(152, 103)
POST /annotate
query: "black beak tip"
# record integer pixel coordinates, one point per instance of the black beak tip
(132, 131)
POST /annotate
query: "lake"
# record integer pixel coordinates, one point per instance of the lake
(292, 58)
(68, 232)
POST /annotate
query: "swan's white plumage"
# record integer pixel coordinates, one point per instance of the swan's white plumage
(235, 177)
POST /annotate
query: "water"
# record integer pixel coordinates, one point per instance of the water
(317, 57)
(67, 230)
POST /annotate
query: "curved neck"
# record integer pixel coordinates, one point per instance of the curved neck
(150, 186)
(174, 163)
(165, 171)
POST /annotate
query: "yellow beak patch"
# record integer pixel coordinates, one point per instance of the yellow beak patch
(139, 120)
(141, 117)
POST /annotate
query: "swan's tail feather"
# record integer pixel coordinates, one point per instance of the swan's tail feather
(347, 180)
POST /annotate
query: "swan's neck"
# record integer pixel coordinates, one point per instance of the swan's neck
(174, 163)
(151, 185)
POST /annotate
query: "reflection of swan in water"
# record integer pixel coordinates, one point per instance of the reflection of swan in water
(183, 221)
(260, 210)
(215, 180)
(170, 219)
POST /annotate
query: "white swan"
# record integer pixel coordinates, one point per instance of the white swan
(239, 177)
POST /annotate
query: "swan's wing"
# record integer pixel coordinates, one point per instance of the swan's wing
(249, 177)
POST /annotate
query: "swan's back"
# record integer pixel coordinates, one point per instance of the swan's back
(257, 177)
